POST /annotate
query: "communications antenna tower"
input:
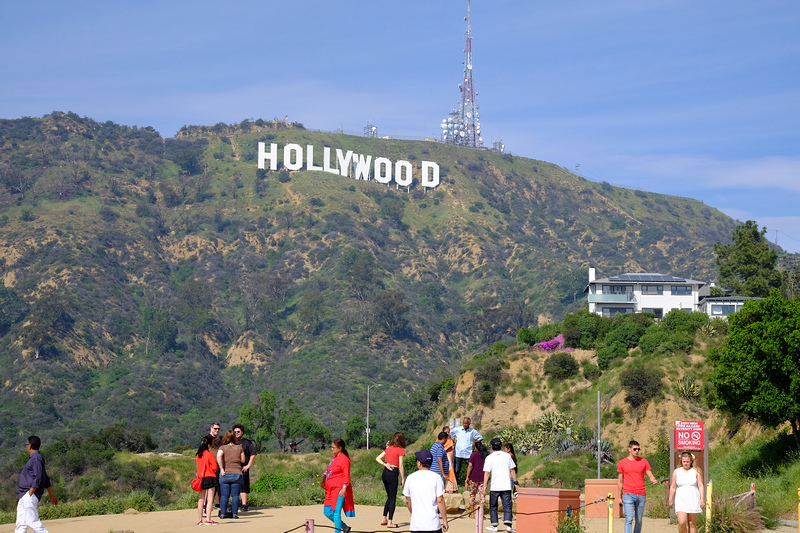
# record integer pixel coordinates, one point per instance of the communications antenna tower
(462, 126)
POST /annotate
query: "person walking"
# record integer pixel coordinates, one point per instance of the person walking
(33, 481)
(207, 471)
(392, 460)
(499, 467)
(338, 489)
(687, 494)
(465, 437)
(630, 485)
(475, 475)
(249, 456)
(230, 458)
(424, 494)
(440, 463)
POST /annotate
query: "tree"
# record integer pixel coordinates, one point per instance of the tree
(158, 329)
(258, 418)
(47, 321)
(311, 309)
(355, 432)
(261, 422)
(642, 382)
(294, 424)
(748, 265)
(390, 310)
(12, 308)
(195, 302)
(757, 372)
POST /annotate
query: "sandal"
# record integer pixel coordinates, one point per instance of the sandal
(384, 522)
(392, 525)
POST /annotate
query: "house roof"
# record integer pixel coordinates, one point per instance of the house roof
(645, 277)
(725, 299)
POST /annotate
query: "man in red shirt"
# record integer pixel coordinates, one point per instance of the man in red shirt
(631, 486)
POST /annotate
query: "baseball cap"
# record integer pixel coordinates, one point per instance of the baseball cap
(496, 443)
(424, 457)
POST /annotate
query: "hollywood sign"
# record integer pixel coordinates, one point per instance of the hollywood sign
(348, 164)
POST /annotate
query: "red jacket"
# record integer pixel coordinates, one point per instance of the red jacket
(206, 465)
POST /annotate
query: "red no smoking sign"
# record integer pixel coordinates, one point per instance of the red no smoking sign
(689, 435)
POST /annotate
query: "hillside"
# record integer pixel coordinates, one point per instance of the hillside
(162, 282)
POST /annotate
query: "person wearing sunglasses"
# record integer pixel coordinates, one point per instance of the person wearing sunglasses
(632, 495)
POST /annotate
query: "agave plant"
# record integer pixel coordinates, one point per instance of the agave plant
(689, 388)
(552, 424)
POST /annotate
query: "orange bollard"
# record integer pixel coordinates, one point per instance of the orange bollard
(310, 525)
(610, 499)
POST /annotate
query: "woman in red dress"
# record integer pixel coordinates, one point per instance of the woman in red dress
(338, 490)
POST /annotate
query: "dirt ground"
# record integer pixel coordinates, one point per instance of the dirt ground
(285, 519)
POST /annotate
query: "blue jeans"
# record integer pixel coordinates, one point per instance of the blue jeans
(633, 505)
(229, 485)
(505, 495)
(459, 462)
(335, 515)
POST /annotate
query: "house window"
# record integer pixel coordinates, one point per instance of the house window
(722, 310)
(617, 289)
(611, 311)
(656, 311)
(681, 290)
(652, 289)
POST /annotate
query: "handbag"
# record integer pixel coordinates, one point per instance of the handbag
(197, 483)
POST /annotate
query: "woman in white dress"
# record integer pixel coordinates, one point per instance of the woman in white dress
(687, 494)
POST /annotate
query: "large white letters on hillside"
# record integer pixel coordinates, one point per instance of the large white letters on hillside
(348, 164)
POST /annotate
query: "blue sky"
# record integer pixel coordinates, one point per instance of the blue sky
(698, 99)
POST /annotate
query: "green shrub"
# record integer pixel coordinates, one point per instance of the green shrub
(678, 320)
(274, 482)
(627, 334)
(561, 365)
(590, 370)
(547, 332)
(641, 382)
(606, 354)
(653, 337)
(527, 335)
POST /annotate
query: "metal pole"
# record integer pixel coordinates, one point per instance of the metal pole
(598, 434)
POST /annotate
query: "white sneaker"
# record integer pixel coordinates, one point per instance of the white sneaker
(491, 528)
(511, 529)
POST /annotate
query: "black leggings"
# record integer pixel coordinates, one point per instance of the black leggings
(390, 482)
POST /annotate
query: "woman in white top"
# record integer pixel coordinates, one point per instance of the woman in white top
(687, 494)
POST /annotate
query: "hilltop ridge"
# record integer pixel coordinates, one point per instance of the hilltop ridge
(140, 267)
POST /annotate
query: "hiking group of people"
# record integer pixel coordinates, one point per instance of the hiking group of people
(223, 466)
(437, 473)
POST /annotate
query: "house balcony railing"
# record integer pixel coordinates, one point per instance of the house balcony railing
(612, 298)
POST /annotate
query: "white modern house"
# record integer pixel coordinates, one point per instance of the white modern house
(641, 293)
